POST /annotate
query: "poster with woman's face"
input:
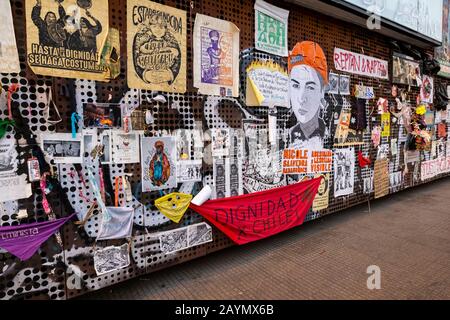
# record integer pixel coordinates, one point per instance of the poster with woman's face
(307, 90)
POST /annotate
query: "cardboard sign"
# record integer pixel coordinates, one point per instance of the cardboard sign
(381, 178)
(360, 64)
(267, 85)
(156, 46)
(64, 38)
(271, 28)
(216, 56)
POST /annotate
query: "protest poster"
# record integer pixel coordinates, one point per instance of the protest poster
(344, 171)
(304, 161)
(9, 57)
(363, 65)
(322, 197)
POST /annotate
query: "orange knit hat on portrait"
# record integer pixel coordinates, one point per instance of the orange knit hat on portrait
(311, 54)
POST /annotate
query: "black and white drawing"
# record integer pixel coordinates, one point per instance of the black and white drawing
(184, 141)
(62, 148)
(199, 233)
(395, 181)
(344, 85)
(368, 184)
(344, 171)
(383, 151)
(111, 259)
(189, 170)
(221, 172)
(105, 141)
(174, 240)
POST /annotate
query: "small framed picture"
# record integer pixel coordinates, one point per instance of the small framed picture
(62, 148)
(102, 115)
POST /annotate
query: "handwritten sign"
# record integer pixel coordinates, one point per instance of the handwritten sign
(267, 84)
(355, 63)
(430, 169)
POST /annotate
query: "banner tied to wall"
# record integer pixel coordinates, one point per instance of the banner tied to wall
(64, 38)
(363, 65)
(216, 56)
(258, 215)
(271, 28)
(267, 85)
(9, 57)
(156, 46)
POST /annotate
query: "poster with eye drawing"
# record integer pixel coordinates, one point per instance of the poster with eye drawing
(8, 156)
(220, 142)
(344, 171)
(344, 85)
(156, 46)
(62, 148)
(186, 237)
(64, 38)
(158, 163)
(125, 147)
(189, 170)
(333, 85)
(216, 56)
(261, 169)
(111, 259)
(9, 57)
(221, 172)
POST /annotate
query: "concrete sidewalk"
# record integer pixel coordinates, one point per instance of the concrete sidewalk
(406, 234)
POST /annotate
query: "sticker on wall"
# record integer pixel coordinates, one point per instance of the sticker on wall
(64, 38)
(267, 85)
(322, 197)
(9, 57)
(271, 28)
(381, 178)
(308, 74)
(344, 171)
(62, 148)
(156, 46)
(125, 147)
(427, 89)
(111, 259)
(363, 65)
(216, 56)
(159, 163)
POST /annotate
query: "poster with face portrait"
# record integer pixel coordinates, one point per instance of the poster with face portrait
(64, 38)
(344, 85)
(9, 57)
(395, 181)
(216, 56)
(344, 171)
(308, 79)
(156, 46)
(322, 197)
(271, 28)
(158, 163)
(221, 172)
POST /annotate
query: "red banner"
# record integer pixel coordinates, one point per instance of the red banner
(258, 215)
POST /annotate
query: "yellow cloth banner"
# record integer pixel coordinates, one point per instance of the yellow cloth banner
(174, 205)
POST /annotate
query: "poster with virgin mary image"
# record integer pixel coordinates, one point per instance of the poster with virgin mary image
(308, 79)
(65, 37)
(156, 46)
(159, 163)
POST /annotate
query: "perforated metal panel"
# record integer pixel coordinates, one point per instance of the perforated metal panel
(54, 273)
